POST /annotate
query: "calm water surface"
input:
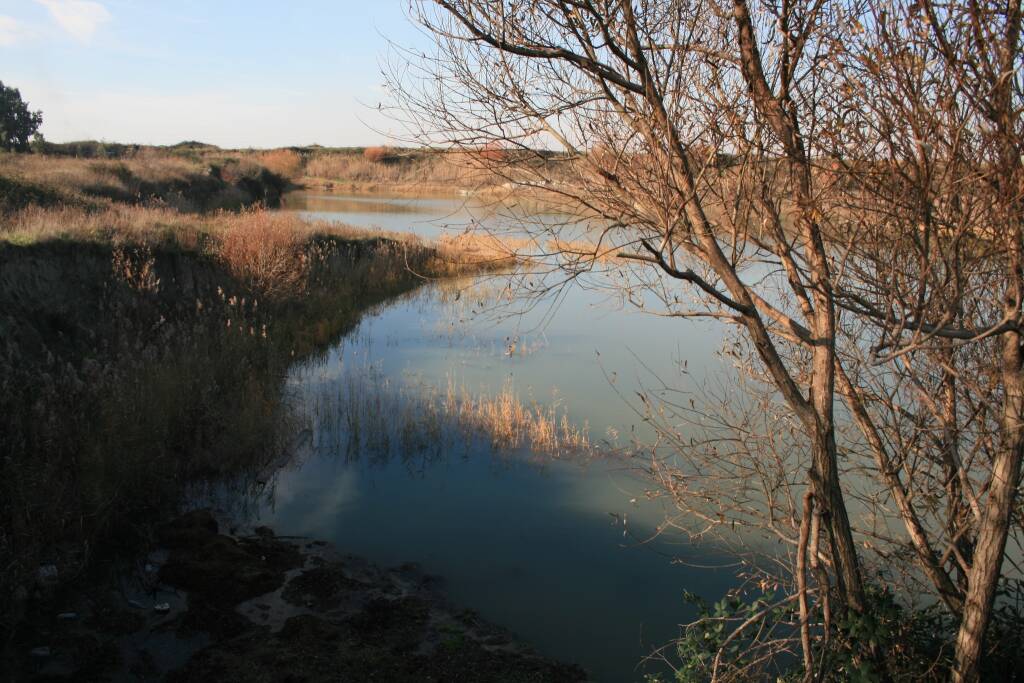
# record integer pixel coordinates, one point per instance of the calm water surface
(549, 547)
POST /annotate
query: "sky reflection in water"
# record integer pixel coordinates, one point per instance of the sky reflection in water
(534, 544)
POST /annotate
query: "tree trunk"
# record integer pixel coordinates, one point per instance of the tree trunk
(995, 525)
(844, 552)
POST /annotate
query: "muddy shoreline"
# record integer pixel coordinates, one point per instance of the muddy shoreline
(216, 603)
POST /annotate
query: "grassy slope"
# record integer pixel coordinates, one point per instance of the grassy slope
(148, 177)
(144, 349)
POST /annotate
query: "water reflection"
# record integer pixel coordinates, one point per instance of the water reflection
(549, 547)
(425, 216)
(433, 217)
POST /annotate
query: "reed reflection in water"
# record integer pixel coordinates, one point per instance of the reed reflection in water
(476, 444)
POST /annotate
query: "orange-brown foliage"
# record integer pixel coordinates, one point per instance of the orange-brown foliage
(286, 163)
(267, 251)
(493, 152)
(376, 154)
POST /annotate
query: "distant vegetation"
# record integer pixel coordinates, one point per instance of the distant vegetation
(17, 123)
(354, 169)
(97, 174)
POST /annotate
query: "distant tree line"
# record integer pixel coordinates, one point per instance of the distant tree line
(18, 123)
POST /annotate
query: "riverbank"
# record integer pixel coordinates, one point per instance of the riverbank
(376, 188)
(147, 178)
(213, 603)
(192, 176)
(145, 351)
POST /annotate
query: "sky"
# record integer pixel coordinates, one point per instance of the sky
(235, 73)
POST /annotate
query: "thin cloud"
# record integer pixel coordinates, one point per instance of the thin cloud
(11, 31)
(80, 18)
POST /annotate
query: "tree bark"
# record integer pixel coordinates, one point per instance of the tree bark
(989, 551)
(828, 491)
(995, 526)
(801, 582)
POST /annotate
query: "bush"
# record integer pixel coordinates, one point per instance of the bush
(286, 163)
(16, 194)
(267, 252)
(740, 640)
(377, 154)
(493, 152)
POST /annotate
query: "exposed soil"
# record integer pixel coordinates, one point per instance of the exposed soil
(209, 606)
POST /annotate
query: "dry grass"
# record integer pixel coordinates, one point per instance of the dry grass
(384, 167)
(269, 252)
(145, 224)
(511, 423)
(365, 412)
(286, 163)
(117, 223)
(75, 176)
(274, 252)
(147, 176)
(139, 174)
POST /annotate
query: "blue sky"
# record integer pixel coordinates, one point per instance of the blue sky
(231, 72)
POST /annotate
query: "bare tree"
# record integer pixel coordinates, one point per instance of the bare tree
(935, 101)
(841, 181)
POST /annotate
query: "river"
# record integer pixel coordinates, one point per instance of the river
(556, 548)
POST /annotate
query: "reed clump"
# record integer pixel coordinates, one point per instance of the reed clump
(365, 413)
(482, 249)
(512, 423)
(286, 163)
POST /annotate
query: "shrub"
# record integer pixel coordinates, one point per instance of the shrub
(88, 149)
(286, 163)
(266, 251)
(16, 194)
(493, 152)
(377, 154)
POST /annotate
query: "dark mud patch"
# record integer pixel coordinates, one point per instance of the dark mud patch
(310, 648)
(324, 588)
(223, 570)
(216, 607)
